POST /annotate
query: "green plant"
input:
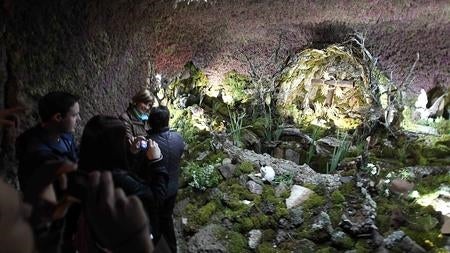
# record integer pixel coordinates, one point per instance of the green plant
(286, 178)
(236, 121)
(339, 152)
(202, 177)
(312, 147)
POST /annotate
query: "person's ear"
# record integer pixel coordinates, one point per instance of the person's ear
(57, 117)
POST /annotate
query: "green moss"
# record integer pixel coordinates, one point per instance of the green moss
(326, 250)
(215, 157)
(432, 183)
(268, 235)
(200, 216)
(335, 214)
(245, 167)
(337, 197)
(266, 247)
(362, 246)
(348, 189)
(236, 243)
(422, 222)
(313, 202)
(430, 240)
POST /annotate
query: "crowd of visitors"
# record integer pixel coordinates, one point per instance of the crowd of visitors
(115, 192)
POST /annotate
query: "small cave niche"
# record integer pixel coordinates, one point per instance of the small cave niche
(328, 87)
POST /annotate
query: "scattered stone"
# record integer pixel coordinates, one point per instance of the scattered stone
(281, 236)
(323, 223)
(341, 240)
(305, 246)
(227, 170)
(401, 186)
(296, 216)
(303, 173)
(326, 145)
(205, 240)
(226, 161)
(295, 134)
(278, 153)
(202, 155)
(292, 155)
(268, 173)
(345, 180)
(445, 229)
(398, 240)
(254, 187)
(251, 140)
(359, 214)
(267, 207)
(254, 239)
(256, 178)
(280, 189)
(298, 195)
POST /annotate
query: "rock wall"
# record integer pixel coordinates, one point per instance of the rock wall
(106, 50)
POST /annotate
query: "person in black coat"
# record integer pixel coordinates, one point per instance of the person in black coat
(104, 147)
(172, 146)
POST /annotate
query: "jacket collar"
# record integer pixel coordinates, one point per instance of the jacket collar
(154, 131)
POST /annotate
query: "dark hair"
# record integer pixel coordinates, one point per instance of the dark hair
(56, 102)
(103, 144)
(159, 117)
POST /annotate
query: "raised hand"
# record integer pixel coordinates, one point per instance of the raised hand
(153, 151)
(119, 222)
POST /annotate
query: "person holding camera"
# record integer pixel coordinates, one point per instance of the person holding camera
(103, 147)
(135, 117)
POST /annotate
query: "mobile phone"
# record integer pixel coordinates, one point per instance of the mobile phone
(77, 184)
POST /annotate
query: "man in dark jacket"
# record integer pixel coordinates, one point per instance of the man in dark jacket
(172, 147)
(51, 139)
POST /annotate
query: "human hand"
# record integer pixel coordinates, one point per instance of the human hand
(40, 192)
(153, 151)
(8, 117)
(119, 222)
(135, 144)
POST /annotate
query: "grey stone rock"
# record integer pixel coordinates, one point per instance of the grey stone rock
(398, 240)
(292, 155)
(267, 207)
(295, 134)
(305, 246)
(254, 187)
(341, 240)
(251, 140)
(282, 236)
(303, 173)
(296, 216)
(278, 152)
(205, 240)
(254, 238)
(299, 194)
(281, 188)
(227, 170)
(322, 223)
(226, 161)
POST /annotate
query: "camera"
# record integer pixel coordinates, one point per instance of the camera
(143, 145)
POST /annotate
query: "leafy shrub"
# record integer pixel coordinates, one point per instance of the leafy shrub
(202, 177)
